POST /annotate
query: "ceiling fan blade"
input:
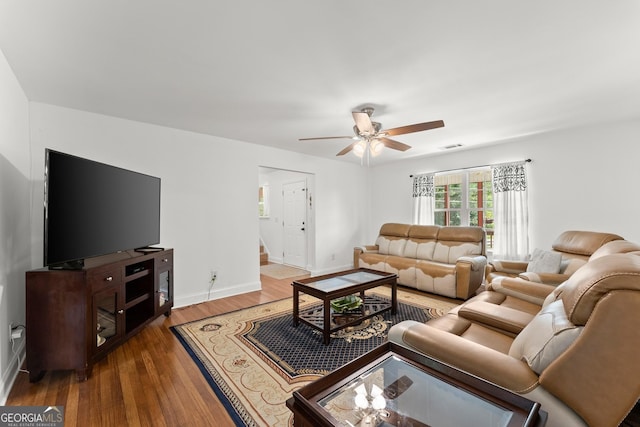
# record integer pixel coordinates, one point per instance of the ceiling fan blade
(346, 149)
(325, 137)
(396, 145)
(363, 123)
(418, 127)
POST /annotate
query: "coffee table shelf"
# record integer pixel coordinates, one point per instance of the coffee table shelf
(371, 306)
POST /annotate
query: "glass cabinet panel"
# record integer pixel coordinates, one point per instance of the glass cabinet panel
(105, 317)
(164, 288)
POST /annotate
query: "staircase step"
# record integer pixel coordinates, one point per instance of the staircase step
(264, 258)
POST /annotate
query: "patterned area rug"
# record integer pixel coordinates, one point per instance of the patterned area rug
(254, 358)
(281, 271)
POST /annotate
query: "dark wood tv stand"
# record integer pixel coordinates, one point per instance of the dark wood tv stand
(76, 317)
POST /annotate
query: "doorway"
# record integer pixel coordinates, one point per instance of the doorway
(294, 201)
(287, 231)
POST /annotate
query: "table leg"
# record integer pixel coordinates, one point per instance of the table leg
(394, 297)
(296, 300)
(326, 333)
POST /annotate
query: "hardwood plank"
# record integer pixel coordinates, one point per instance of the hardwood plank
(148, 381)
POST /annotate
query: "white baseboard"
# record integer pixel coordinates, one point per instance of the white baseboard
(216, 293)
(11, 373)
(330, 270)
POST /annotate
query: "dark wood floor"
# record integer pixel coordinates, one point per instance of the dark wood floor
(149, 381)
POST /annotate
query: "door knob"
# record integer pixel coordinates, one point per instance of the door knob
(302, 229)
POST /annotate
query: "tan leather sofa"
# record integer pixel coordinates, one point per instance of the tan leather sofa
(448, 261)
(575, 248)
(577, 354)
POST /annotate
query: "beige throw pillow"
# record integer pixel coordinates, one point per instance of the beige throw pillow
(544, 262)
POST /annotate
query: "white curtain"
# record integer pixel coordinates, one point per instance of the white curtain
(510, 211)
(423, 199)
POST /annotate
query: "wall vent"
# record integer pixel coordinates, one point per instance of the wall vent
(449, 147)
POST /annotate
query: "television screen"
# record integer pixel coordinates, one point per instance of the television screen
(94, 209)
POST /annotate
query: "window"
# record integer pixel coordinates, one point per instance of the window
(465, 198)
(263, 201)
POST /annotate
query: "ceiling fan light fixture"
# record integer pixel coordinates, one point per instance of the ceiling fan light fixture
(376, 147)
(360, 148)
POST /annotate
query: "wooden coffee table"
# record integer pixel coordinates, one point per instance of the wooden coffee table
(332, 286)
(394, 386)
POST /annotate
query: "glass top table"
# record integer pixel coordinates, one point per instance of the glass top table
(331, 287)
(397, 393)
(393, 386)
(336, 283)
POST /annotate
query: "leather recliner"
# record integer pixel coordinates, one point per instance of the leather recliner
(535, 292)
(575, 246)
(577, 356)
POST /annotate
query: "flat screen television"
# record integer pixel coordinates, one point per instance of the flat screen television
(94, 209)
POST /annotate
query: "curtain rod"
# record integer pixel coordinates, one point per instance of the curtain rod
(473, 167)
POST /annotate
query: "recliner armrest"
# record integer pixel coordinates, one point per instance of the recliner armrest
(523, 289)
(468, 356)
(495, 316)
(548, 278)
(511, 267)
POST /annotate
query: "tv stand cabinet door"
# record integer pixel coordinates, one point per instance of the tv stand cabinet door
(164, 283)
(57, 306)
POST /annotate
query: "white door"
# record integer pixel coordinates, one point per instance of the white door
(294, 197)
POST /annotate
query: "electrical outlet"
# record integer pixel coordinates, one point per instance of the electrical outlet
(16, 334)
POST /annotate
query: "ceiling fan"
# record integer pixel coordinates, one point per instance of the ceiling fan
(369, 136)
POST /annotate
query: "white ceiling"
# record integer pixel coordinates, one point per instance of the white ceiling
(270, 72)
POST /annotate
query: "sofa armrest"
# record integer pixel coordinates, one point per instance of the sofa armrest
(548, 278)
(468, 356)
(477, 262)
(522, 289)
(469, 275)
(360, 250)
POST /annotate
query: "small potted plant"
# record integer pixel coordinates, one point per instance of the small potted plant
(346, 304)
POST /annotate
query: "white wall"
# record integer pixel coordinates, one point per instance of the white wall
(209, 185)
(579, 179)
(15, 243)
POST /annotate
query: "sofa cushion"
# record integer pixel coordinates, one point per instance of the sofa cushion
(429, 232)
(391, 245)
(394, 229)
(374, 261)
(449, 251)
(547, 336)
(544, 262)
(437, 278)
(383, 245)
(454, 242)
(419, 249)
